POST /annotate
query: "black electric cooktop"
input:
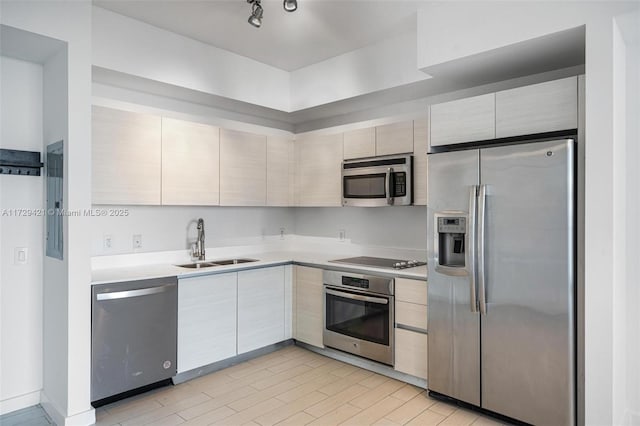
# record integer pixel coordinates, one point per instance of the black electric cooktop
(380, 262)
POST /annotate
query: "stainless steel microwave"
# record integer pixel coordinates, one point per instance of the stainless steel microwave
(378, 181)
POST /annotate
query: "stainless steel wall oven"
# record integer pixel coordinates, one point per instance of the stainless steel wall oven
(359, 315)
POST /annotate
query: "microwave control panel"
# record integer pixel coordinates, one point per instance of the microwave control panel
(400, 184)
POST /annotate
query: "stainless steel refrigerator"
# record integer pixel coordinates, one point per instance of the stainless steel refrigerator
(501, 283)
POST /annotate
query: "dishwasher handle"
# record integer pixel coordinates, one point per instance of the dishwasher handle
(134, 293)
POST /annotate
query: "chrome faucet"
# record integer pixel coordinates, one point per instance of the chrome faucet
(197, 250)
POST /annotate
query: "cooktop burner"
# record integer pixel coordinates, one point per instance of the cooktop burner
(380, 262)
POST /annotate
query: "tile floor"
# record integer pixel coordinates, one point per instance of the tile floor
(32, 416)
(292, 386)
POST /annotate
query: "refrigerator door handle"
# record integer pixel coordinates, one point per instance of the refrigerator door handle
(482, 210)
(471, 247)
(390, 188)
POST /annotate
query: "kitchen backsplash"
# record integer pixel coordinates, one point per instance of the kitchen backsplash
(173, 228)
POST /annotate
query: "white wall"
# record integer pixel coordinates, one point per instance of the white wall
(389, 63)
(144, 50)
(173, 227)
(400, 227)
(627, 320)
(20, 284)
(67, 354)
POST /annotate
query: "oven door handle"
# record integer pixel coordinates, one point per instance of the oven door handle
(377, 300)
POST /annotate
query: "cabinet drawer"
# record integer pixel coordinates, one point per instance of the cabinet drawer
(413, 291)
(411, 353)
(411, 314)
(538, 108)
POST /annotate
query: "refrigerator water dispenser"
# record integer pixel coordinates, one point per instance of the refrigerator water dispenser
(451, 241)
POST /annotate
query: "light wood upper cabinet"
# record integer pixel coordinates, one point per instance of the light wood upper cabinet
(318, 178)
(360, 143)
(125, 157)
(280, 171)
(537, 108)
(394, 138)
(463, 120)
(308, 305)
(420, 146)
(190, 163)
(206, 320)
(243, 168)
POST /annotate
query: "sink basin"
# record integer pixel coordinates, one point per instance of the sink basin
(209, 264)
(198, 265)
(233, 261)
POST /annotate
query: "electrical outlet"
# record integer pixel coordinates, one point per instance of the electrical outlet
(107, 241)
(343, 235)
(137, 241)
(282, 233)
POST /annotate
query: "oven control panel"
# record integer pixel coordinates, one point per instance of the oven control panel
(355, 282)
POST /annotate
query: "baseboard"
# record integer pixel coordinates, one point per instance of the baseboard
(208, 369)
(19, 402)
(366, 364)
(85, 418)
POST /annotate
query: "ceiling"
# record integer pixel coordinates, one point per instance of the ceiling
(318, 30)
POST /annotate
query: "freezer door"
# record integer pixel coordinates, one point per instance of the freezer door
(454, 330)
(528, 330)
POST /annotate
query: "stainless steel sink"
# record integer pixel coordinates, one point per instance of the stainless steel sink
(209, 264)
(233, 261)
(198, 265)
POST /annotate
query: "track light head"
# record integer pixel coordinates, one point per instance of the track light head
(256, 13)
(290, 5)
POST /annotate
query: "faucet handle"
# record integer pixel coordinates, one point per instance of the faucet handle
(194, 251)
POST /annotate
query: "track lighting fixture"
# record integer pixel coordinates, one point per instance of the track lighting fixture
(256, 13)
(290, 5)
(255, 18)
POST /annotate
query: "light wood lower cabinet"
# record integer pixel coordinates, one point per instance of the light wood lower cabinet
(206, 320)
(411, 353)
(411, 312)
(125, 155)
(308, 305)
(190, 163)
(261, 308)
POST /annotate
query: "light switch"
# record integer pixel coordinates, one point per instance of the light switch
(20, 255)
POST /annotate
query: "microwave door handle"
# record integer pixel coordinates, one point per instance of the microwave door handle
(389, 186)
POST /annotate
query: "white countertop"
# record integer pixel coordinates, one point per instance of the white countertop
(164, 268)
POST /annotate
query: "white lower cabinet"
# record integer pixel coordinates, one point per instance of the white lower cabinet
(261, 308)
(206, 320)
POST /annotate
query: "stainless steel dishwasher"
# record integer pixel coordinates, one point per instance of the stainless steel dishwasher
(133, 336)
